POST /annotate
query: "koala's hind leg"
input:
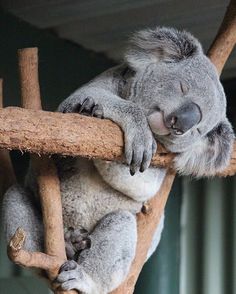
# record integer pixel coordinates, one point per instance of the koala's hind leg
(19, 210)
(103, 267)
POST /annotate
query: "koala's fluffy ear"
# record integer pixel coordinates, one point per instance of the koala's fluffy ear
(210, 155)
(160, 44)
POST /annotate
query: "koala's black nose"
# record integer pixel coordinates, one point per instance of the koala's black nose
(184, 118)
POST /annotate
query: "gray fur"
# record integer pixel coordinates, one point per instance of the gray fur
(20, 210)
(115, 235)
(212, 152)
(160, 45)
(164, 69)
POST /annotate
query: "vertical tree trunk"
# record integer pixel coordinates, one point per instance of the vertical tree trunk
(48, 182)
(7, 174)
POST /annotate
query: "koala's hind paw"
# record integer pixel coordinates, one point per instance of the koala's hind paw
(85, 106)
(76, 240)
(71, 276)
(68, 276)
(69, 265)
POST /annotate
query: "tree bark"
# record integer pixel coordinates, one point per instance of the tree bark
(225, 39)
(29, 259)
(48, 182)
(45, 132)
(67, 134)
(7, 174)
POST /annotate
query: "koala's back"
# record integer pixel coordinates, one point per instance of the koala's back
(86, 197)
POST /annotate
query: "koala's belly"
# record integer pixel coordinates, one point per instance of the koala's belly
(86, 198)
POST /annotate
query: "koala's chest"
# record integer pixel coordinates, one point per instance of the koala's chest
(86, 198)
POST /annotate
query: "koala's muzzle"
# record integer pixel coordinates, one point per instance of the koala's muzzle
(184, 118)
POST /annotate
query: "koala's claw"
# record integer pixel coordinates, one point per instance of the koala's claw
(85, 106)
(88, 107)
(145, 163)
(147, 158)
(76, 240)
(140, 144)
(68, 266)
(97, 111)
(140, 155)
(136, 161)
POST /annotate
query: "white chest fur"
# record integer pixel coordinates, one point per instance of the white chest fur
(140, 187)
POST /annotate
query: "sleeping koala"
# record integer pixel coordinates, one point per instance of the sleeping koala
(166, 90)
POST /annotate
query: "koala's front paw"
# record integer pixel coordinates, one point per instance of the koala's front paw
(76, 240)
(140, 145)
(84, 105)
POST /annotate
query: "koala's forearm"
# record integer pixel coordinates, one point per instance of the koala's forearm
(104, 91)
(101, 98)
(114, 107)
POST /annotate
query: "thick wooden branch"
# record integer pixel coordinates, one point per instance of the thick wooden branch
(67, 134)
(46, 174)
(70, 134)
(225, 39)
(50, 196)
(48, 185)
(7, 175)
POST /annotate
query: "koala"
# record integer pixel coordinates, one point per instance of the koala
(166, 90)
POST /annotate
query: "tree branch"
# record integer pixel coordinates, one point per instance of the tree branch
(48, 185)
(67, 134)
(225, 39)
(30, 259)
(7, 175)
(45, 132)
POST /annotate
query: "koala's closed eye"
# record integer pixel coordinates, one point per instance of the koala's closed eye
(209, 155)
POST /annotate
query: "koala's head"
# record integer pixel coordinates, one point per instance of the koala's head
(179, 89)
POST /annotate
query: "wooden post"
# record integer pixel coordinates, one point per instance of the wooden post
(7, 175)
(48, 182)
